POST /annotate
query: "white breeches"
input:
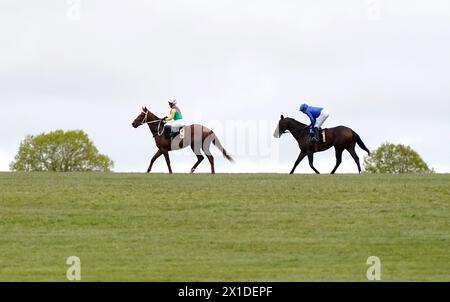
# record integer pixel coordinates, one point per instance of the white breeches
(173, 124)
(321, 119)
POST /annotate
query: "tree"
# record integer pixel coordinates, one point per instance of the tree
(60, 151)
(391, 158)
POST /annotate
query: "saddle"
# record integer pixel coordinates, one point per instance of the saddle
(170, 132)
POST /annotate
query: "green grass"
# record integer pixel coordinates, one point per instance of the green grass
(224, 227)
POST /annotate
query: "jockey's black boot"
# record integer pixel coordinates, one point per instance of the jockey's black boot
(175, 132)
(316, 135)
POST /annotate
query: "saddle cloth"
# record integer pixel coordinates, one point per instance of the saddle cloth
(174, 131)
(322, 136)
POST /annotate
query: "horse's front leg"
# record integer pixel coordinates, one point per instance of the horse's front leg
(166, 155)
(157, 155)
(299, 159)
(311, 160)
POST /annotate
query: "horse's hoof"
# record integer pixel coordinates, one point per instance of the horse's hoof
(192, 171)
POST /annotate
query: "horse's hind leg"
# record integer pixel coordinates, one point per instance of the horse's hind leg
(311, 160)
(355, 157)
(338, 159)
(211, 161)
(200, 158)
(206, 149)
(166, 155)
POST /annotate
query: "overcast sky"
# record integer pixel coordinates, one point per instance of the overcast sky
(380, 67)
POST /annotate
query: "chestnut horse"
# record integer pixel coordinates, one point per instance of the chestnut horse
(341, 138)
(197, 137)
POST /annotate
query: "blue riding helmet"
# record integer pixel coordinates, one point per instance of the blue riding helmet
(303, 107)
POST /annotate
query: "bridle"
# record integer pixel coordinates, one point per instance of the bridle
(144, 120)
(160, 130)
(284, 132)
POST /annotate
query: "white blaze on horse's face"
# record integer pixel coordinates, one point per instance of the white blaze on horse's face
(281, 129)
(276, 134)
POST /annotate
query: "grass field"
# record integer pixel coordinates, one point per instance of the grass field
(224, 227)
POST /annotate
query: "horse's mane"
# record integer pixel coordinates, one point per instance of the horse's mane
(152, 114)
(295, 122)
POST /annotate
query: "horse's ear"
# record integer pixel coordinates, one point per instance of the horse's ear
(282, 117)
(145, 109)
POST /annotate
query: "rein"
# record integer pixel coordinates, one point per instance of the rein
(160, 130)
(152, 122)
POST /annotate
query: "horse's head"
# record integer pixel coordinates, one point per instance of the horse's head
(281, 128)
(142, 118)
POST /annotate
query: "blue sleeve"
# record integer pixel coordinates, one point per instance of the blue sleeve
(311, 117)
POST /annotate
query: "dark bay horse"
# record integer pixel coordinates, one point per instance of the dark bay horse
(341, 138)
(197, 137)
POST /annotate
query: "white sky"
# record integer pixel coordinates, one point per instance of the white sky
(380, 67)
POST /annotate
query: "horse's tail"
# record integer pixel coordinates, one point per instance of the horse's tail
(219, 146)
(360, 143)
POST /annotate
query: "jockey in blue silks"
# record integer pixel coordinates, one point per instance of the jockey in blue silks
(317, 116)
